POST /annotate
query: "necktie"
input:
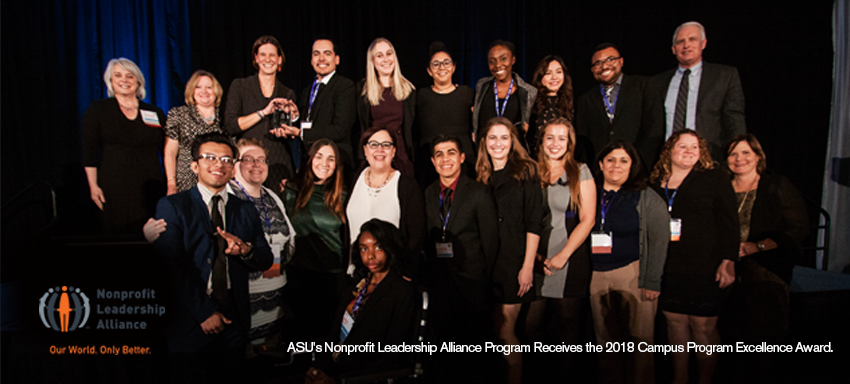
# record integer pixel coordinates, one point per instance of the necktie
(219, 271)
(682, 103)
(446, 205)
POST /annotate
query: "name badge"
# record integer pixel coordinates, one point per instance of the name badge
(675, 229)
(347, 323)
(445, 250)
(601, 242)
(306, 124)
(274, 271)
(151, 119)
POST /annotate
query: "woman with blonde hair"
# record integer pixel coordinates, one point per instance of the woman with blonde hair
(504, 165)
(200, 115)
(122, 133)
(386, 99)
(570, 192)
(703, 247)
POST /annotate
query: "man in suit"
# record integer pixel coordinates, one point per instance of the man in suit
(462, 247)
(328, 104)
(613, 110)
(700, 96)
(211, 242)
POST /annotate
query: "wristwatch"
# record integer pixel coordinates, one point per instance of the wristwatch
(760, 245)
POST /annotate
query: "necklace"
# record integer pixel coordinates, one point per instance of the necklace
(747, 194)
(372, 190)
(440, 91)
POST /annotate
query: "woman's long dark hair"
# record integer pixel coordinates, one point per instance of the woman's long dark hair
(564, 99)
(389, 238)
(333, 185)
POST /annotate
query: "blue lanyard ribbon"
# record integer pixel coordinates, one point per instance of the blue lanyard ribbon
(267, 218)
(314, 90)
(362, 296)
(609, 106)
(605, 208)
(669, 198)
(501, 112)
(445, 220)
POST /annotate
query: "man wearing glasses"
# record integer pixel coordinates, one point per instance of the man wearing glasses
(699, 96)
(611, 110)
(211, 242)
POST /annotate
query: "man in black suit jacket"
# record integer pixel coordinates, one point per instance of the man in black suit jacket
(613, 110)
(462, 247)
(717, 114)
(328, 104)
(208, 327)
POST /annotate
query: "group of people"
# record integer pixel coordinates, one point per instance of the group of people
(512, 205)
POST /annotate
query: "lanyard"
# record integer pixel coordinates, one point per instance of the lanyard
(501, 112)
(314, 90)
(670, 198)
(265, 207)
(608, 103)
(605, 208)
(362, 296)
(445, 220)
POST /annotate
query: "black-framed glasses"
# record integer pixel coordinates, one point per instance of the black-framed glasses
(383, 144)
(210, 158)
(436, 64)
(251, 160)
(607, 60)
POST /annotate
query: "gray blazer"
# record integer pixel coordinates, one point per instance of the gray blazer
(523, 89)
(654, 236)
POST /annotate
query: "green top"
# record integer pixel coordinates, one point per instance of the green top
(319, 242)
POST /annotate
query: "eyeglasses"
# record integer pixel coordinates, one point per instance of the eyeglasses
(209, 158)
(607, 60)
(375, 144)
(251, 160)
(445, 63)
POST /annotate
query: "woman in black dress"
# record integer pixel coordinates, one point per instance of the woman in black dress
(252, 104)
(385, 99)
(122, 144)
(200, 115)
(443, 108)
(504, 165)
(554, 96)
(703, 247)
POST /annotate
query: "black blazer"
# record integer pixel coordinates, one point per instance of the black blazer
(473, 230)
(720, 108)
(364, 114)
(779, 213)
(387, 317)
(188, 252)
(333, 115)
(591, 119)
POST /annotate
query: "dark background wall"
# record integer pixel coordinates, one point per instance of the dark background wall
(54, 54)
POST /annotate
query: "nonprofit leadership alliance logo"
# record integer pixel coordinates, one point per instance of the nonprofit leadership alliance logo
(67, 305)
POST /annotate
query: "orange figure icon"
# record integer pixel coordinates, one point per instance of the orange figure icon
(64, 309)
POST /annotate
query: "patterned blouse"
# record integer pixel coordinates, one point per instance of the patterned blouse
(184, 123)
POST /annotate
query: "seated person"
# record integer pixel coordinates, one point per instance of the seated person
(380, 309)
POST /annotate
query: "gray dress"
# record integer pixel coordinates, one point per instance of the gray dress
(558, 197)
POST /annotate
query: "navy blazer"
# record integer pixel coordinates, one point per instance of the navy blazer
(187, 245)
(720, 109)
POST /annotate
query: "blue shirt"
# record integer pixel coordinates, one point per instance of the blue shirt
(673, 92)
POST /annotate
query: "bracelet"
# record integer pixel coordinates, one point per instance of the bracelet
(260, 113)
(760, 246)
(170, 179)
